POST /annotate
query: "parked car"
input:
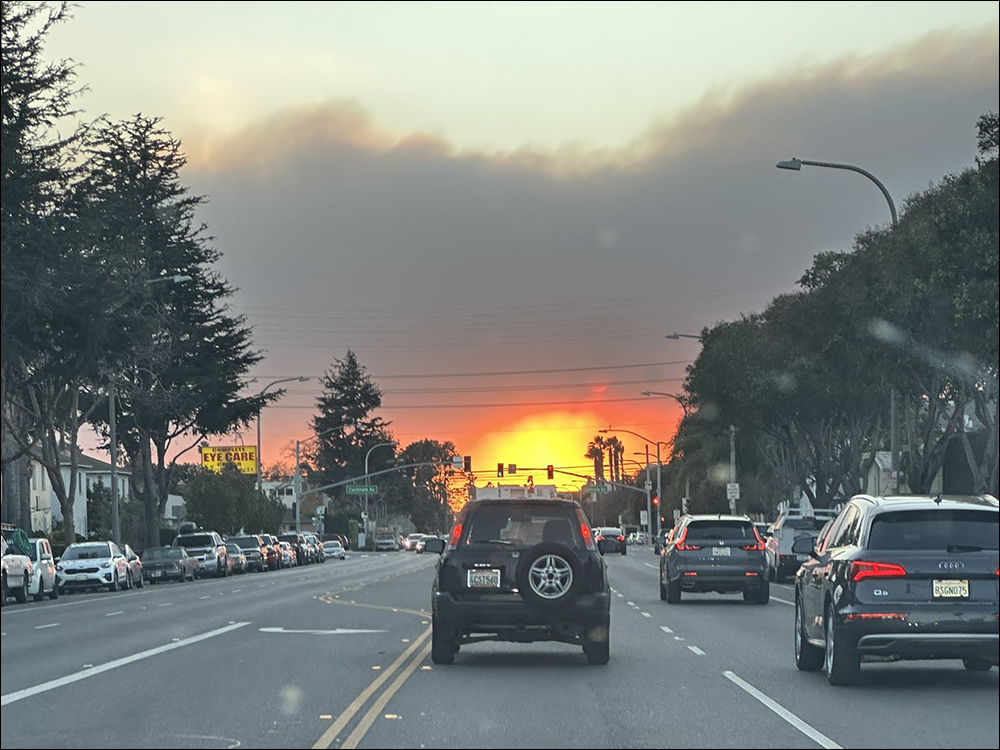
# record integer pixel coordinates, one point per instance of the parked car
(781, 561)
(299, 545)
(288, 557)
(210, 550)
(135, 566)
(333, 548)
(89, 565)
(386, 542)
(520, 571)
(659, 541)
(315, 547)
(409, 542)
(716, 553)
(254, 550)
(16, 573)
(168, 564)
(275, 556)
(614, 534)
(239, 559)
(908, 577)
(43, 578)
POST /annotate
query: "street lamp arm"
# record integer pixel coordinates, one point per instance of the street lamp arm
(796, 164)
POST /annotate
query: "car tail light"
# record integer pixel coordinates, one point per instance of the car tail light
(860, 569)
(588, 539)
(686, 547)
(690, 573)
(456, 534)
(750, 572)
(759, 546)
(854, 616)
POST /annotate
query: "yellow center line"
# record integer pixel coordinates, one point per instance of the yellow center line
(334, 730)
(369, 718)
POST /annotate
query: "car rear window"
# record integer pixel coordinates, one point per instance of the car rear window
(937, 530)
(522, 526)
(722, 530)
(196, 540)
(246, 541)
(805, 524)
(161, 553)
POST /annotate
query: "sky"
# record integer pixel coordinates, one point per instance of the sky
(503, 208)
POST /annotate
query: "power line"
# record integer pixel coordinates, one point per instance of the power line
(500, 388)
(389, 407)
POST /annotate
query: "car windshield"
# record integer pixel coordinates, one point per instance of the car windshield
(808, 523)
(195, 540)
(246, 542)
(162, 553)
(943, 530)
(87, 552)
(522, 526)
(719, 530)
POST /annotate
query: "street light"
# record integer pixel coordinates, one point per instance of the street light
(659, 475)
(367, 456)
(297, 479)
(796, 165)
(116, 523)
(299, 379)
(675, 336)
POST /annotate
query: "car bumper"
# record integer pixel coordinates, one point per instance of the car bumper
(509, 613)
(927, 635)
(709, 579)
(163, 575)
(85, 580)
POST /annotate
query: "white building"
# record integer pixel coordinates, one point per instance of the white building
(45, 507)
(516, 492)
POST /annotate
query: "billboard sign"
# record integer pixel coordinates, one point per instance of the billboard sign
(215, 457)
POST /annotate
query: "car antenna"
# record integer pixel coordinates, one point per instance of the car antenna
(938, 498)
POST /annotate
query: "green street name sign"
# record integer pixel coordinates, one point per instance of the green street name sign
(599, 488)
(362, 489)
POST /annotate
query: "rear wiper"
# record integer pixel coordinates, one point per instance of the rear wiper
(964, 548)
(505, 542)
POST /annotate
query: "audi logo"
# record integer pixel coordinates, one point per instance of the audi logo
(951, 565)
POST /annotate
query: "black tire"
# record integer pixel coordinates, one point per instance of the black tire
(128, 581)
(841, 659)
(113, 586)
(3, 590)
(674, 592)
(759, 594)
(624, 551)
(779, 574)
(597, 645)
(442, 642)
(21, 593)
(563, 559)
(41, 589)
(54, 593)
(663, 592)
(808, 658)
(977, 664)
(141, 582)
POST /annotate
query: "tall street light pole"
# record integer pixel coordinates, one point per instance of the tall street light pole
(299, 379)
(367, 456)
(116, 521)
(796, 165)
(297, 479)
(659, 475)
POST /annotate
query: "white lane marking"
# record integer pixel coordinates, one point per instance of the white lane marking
(45, 687)
(678, 638)
(42, 627)
(783, 601)
(115, 614)
(335, 631)
(165, 604)
(666, 630)
(696, 650)
(204, 597)
(646, 614)
(620, 596)
(650, 565)
(815, 735)
(631, 604)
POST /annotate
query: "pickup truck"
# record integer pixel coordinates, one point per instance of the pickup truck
(16, 574)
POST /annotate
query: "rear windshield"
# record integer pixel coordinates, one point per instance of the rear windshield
(161, 553)
(195, 540)
(937, 530)
(246, 541)
(721, 530)
(522, 526)
(805, 524)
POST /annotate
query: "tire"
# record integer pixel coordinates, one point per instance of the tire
(779, 574)
(663, 592)
(141, 582)
(808, 658)
(759, 594)
(113, 586)
(624, 551)
(41, 589)
(3, 590)
(977, 664)
(841, 659)
(128, 580)
(549, 576)
(674, 592)
(21, 594)
(442, 642)
(54, 593)
(597, 646)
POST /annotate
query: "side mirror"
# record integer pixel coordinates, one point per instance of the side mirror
(604, 546)
(58, 560)
(434, 545)
(804, 545)
(46, 557)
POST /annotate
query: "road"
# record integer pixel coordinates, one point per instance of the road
(337, 655)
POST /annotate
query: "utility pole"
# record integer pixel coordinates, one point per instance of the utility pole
(298, 488)
(732, 464)
(116, 524)
(649, 502)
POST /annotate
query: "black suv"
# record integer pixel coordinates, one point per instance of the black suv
(714, 553)
(520, 571)
(908, 577)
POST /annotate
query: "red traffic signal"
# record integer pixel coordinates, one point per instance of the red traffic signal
(551, 471)
(656, 501)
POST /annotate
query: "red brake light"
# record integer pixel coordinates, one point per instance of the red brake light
(621, 538)
(587, 539)
(686, 547)
(456, 534)
(861, 569)
(759, 546)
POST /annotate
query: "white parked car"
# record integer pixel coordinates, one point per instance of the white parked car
(15, 576)
(88, 565)
(43, 579)
(335, 549)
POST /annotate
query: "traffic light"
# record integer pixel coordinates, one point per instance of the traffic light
(468, 464)
(500, 469)
(656, 501)
(551, 471)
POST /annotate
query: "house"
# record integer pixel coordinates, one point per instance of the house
(45, 508)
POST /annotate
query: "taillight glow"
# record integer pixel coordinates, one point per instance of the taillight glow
(686, 547)
(759, 547)
(750, 573)
(588, 539)
(861, 569)
(690, 573)
(456, 534)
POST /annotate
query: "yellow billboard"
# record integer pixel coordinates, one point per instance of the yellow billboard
(214, 457)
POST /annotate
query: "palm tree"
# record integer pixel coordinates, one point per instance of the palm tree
(616, 454)
(595, 451)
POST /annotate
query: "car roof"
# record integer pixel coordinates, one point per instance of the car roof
(717, 517)
(923, 502)
(527, 501)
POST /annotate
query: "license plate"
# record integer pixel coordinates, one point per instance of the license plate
(484, 578)
(951, 589)
(80, 577)
(721, 552)
(156, 573)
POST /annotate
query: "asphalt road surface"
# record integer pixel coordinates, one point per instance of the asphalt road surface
(338, 655)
